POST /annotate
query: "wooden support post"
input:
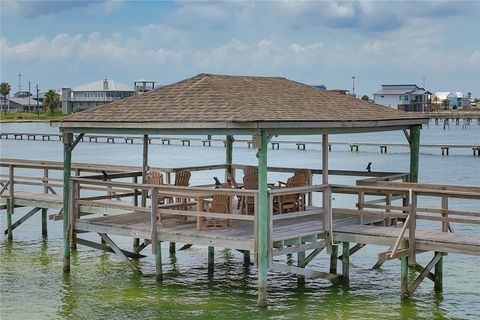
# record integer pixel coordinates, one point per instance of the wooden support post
(301, 264)
(10, 209)
(438, 282)
(144, 169)
(158, 262)
(404, 275)
(136, 245)
(44, 223)
(211, 259)
(346, 262)
(246, 257)
(414, 152)
(326, 202)
(10, 201)
(67, 172)
(262, 221)
(411, 228)
(333, 260)
(228, 156)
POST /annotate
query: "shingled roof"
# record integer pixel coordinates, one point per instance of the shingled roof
(222, 101)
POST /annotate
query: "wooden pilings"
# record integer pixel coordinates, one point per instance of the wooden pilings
(158, 262)
(346, 262)
(262, 221)
(67, 171)
(211, 259)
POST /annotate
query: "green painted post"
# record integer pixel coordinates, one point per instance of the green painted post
(44, 223)
(346, 262)
(158, 262)
(404, 274)
(67, 167)
(334, 259)
(438, 284)
(246, 257)
(211, 259)
(262, 221)
(301, 264)
(9, 219)
(414, 152)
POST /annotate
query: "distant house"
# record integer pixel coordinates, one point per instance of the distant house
(22, 104)
(459, 100)
(94, 94)
(453, 100)
(407, 97)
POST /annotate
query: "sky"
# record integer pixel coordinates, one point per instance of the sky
(69, 43)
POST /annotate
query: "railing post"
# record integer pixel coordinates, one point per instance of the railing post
(67, 167)
(326, 199)
(153, 220)
(444, 213)
(411, 228)
(262, 221)
(73, 209)
(361, 200)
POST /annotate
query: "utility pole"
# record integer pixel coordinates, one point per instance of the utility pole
(29, 95)
(38, 108)
(353, 86)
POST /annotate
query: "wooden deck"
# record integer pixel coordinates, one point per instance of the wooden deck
(425, 240)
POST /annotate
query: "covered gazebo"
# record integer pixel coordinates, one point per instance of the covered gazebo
(261, 107)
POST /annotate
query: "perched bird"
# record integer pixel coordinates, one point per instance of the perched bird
(369, 167)
(105, 175)
(217, 182)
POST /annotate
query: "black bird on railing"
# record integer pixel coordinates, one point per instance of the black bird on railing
(369, 167)
(105, 175)
(217, 182)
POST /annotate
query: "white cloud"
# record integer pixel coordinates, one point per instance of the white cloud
(475, 58)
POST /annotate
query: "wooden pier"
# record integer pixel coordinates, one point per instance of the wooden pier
(275, 144)
(386, 212)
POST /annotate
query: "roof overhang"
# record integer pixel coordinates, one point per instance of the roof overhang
(284, 127)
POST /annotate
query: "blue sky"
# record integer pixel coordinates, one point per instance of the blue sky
(57, 43)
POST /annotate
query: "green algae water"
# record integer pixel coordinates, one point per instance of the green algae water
(101, 286)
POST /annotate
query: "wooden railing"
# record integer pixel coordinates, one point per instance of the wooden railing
(410, 211)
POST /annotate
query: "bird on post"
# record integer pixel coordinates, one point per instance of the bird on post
(105, 175)
(369, 167)
(217, 182)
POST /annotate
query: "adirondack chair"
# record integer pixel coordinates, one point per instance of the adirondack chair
(250, 170)
(291, 202)
(221, 203)
(155, 177)
(250, 182)
(182, 179)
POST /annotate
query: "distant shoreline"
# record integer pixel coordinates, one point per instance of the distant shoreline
(23, 120)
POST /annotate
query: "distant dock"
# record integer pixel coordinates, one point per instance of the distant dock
(274, 144)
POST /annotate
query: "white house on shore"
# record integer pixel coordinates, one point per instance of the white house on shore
(407, 97)
(94, 94)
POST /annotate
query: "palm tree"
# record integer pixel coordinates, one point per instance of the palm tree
(4, 91)
(51, 101)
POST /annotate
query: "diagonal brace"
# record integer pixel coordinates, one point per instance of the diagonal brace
(353, 249)
(119, 252)
(425, 272)
(312, 255)
(24, 218)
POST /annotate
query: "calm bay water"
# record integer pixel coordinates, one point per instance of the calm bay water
(102, 287)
